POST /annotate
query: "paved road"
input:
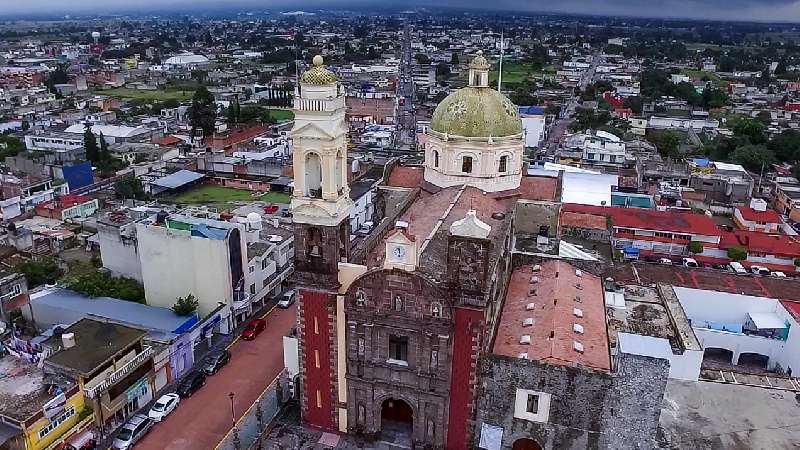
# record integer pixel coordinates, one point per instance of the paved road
(202, 420)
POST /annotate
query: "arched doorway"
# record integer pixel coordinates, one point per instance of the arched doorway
(397, 423)
(717, 356)
(755, 361)
(526, 444)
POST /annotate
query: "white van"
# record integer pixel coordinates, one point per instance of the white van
(737, 267)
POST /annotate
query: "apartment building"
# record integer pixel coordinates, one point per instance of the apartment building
(116, 370)
(38, 407)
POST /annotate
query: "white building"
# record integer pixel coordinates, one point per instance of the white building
(744, 329)
(603, 147)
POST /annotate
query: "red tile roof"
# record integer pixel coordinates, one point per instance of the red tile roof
(750, 214)
(407, 177)
(539, 188)
(552, 334)
(758, 242)
(648, 219)
(168, 141)
(793, 308)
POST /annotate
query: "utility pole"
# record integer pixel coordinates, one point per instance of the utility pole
(500, 69)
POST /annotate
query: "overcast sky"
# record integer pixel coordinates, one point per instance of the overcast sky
(762, 10)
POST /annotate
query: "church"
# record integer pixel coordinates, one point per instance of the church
(418, 333)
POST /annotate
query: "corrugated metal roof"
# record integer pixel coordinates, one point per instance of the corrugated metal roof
(177, 179)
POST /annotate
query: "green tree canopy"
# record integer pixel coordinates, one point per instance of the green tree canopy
(100, 283)
(90, 145)
(754, 157)
(39, 271)
(202, 113)
(185, 306)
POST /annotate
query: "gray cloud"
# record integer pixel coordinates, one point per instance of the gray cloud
(764, 10)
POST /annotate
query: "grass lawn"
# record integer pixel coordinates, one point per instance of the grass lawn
(700, 74)
(160, 95)
(513, 72)
(219, 195)
(281, 114)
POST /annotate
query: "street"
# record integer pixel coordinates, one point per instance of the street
(202, 420)
(406, 121)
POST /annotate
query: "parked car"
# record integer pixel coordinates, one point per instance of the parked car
(758, 270)
(254, 328)
(737, 267)
(690, 262)
(287, 299)
(191, 383)
(271, 209)
(215, 361)
(666, 261)
(778, 274)
(130, 433)
(163, 406)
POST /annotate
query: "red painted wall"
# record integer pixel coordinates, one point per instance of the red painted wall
(314, 305)
(465, 357)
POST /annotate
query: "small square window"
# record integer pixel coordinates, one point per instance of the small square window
(532, 405)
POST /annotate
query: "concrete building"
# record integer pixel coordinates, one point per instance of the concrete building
(757, 217)
(37, 407)
(116, 370)
(183, 255)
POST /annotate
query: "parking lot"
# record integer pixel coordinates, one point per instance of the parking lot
(203, 419)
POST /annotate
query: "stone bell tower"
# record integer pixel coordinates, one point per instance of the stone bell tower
(321, 207)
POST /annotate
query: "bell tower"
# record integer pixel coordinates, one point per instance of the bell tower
(321, 207)
(321, 202)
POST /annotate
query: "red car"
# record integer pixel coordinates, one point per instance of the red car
(254, 328)
(272, 209)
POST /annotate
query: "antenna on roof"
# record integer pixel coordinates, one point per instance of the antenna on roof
(500, 69)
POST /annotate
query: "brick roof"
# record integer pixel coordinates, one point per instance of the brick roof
(406, 177)
(758, 242)
(552, 334)
(793, 308)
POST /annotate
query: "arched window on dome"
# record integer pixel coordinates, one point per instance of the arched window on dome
(466, 164)
(435, 158)
(503, 166)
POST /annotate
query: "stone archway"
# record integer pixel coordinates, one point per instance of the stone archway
(526, 444)
(397, 423)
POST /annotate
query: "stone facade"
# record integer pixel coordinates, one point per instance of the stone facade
(587, 409)
(384, 306)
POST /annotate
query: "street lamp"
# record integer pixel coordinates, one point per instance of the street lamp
(236, 444)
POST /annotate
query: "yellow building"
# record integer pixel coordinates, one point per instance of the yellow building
(37, 408)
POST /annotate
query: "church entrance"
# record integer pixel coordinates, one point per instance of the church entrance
(526, 444)
(397, 423)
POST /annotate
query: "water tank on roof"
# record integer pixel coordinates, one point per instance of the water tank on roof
(254, 221)
(274, 238)
(68, 339)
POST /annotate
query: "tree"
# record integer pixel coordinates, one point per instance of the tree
(101, 283)
(737, 253)
(39, 271)
(202, 113)
(786, 146)
(748, 128)
(422, 59)
(442, 71)
(90, 145)
(634, 103)
(754, 157)
(454, 59)
(130, 188)
(695, 247)
(10, 146)
(185, 306)
(668, 142)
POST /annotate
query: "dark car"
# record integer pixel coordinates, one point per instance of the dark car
(215, 361)
(254, 328)
(191, 383)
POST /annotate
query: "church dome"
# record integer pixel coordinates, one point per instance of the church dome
(477, 110)
(318, 75)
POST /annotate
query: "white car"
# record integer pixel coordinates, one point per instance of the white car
(287, 299)
(163, 406)
(690, 262)
(758, 270)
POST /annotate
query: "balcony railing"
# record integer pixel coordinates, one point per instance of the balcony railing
(120, 373)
